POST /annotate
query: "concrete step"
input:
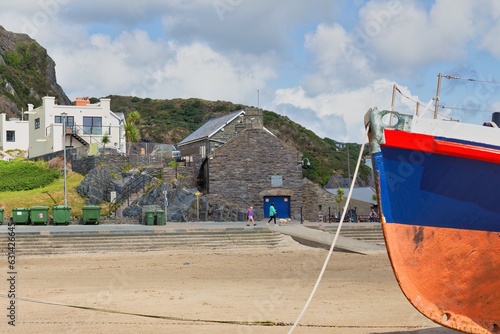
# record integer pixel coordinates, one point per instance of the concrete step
(141, 242)
(372, 234)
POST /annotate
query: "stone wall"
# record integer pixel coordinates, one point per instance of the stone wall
(318, 201)
(241, 170)
(83, 166)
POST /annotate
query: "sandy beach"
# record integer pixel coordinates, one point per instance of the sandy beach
(215, 291)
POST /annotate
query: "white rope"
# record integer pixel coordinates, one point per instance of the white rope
(334, 239)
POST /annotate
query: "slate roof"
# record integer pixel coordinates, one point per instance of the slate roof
(211, 127)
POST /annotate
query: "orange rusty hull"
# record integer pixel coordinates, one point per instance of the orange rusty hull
(450, 275)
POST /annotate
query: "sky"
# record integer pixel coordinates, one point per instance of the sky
(321, 63)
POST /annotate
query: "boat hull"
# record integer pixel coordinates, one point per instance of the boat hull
(448, 274)
(439, 203)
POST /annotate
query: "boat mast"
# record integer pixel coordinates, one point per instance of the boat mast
(436, 99)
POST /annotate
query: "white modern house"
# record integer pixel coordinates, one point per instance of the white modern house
(13, 134)
(85, 125)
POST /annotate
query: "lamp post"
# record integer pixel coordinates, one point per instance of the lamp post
(348, 164)
(165, 193)
(197, 194)
(64, 153)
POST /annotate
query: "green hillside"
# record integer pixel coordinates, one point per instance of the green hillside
(170, 121)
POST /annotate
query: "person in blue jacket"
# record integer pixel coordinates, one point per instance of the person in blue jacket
(272, 214)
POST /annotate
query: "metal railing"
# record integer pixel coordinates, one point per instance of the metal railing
(132, 188)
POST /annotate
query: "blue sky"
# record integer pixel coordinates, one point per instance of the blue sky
(321, 63)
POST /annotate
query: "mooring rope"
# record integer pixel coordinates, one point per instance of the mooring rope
(96, 309)
(327, 259)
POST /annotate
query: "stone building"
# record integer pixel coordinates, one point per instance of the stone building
(243, 164)
(235, 162)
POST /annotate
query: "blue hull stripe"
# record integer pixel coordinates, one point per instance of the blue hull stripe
(426, 189)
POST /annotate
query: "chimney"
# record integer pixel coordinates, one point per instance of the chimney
(82, 101)
(253, 118)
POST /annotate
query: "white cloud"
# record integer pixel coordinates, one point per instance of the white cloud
(197, 70)
(133, 64)
(322, 67)
(331, 109)
(338, 63)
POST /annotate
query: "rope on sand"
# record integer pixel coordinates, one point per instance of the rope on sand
(327, 259)
(179, 319)
(96, 309)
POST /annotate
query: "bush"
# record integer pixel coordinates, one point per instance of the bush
(25, 175)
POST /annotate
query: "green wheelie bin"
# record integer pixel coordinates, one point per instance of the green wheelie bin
(1, 216)
(39, 215)
(159, 217)
(61, 214)
(20, 216)
(91, 214)
(149, 217)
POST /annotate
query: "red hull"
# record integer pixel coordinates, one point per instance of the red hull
(448, 273)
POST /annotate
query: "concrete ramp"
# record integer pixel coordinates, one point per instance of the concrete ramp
(316, 238)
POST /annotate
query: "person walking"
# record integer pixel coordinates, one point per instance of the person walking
(250, 216)
(272, 214)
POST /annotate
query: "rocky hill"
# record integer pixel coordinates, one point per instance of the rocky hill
(27, 73)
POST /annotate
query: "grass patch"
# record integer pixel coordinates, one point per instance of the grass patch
(49, 195)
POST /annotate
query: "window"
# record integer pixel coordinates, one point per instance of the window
(37, 123)
(92, 125)
(11, 136)
(70, 120)
(203, 151)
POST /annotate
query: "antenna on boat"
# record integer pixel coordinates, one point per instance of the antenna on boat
(394, 88)
(436, 99)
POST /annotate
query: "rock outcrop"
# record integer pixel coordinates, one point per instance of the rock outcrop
(27, 73)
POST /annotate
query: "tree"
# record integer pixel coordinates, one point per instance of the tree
(340, 197)
(105, 140)
(133, 117)
(131, 131)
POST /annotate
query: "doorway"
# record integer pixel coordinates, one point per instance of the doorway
(281, 204)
